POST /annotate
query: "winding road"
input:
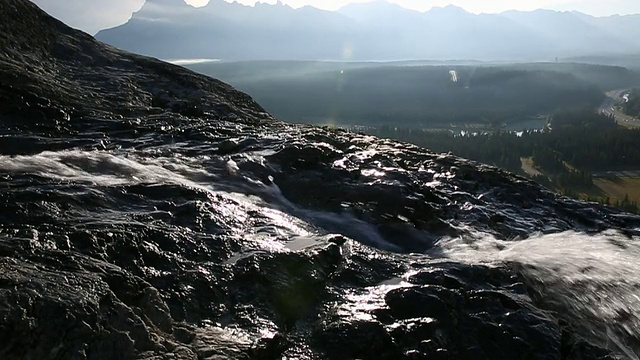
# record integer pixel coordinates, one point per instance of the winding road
(608, 107)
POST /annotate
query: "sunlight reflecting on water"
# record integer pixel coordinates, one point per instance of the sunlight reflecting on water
(191, 61)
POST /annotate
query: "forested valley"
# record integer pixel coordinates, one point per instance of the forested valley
(541, 120)
(418, 94)
(576, 147)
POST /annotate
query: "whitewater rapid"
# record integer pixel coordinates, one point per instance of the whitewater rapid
(218, 176)
(594, 278)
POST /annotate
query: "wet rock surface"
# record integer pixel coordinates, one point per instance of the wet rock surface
(150, 212)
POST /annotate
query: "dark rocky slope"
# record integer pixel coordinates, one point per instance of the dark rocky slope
(150, 212)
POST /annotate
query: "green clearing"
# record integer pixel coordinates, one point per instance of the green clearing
(619, 188)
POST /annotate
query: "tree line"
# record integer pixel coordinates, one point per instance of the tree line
(574, 145)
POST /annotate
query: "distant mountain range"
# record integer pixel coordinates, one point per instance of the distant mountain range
(172, 29)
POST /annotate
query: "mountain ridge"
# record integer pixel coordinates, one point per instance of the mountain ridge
(370, 31)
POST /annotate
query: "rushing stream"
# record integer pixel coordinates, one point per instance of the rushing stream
(149, 212)
(594, 279)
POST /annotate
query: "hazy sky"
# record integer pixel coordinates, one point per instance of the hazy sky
(94, 15)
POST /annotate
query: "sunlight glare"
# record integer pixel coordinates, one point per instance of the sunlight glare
(197, 3)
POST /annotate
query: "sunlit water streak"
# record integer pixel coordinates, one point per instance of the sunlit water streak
(183, 62)
(594, 278)
(221, 177)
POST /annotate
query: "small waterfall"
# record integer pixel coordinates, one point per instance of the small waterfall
(593, 281)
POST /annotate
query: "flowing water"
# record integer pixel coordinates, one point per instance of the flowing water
(218, 176)
(593, 279)
(182, 219)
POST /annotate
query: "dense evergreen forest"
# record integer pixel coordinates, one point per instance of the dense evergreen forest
(412, 94)
(606, 77)
(575, 145)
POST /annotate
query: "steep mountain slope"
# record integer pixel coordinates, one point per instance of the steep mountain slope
(365, 31)
(150, 212)
(50, 72)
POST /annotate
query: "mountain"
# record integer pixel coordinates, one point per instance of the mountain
(623, 27)
(560, 29)
(376, 30)
(148, 212)
(231, 29)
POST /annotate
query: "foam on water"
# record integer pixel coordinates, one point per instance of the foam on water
(102, 168)
(595, 278)
(224, 178)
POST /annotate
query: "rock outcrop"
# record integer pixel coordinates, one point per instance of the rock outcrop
(150, 212)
